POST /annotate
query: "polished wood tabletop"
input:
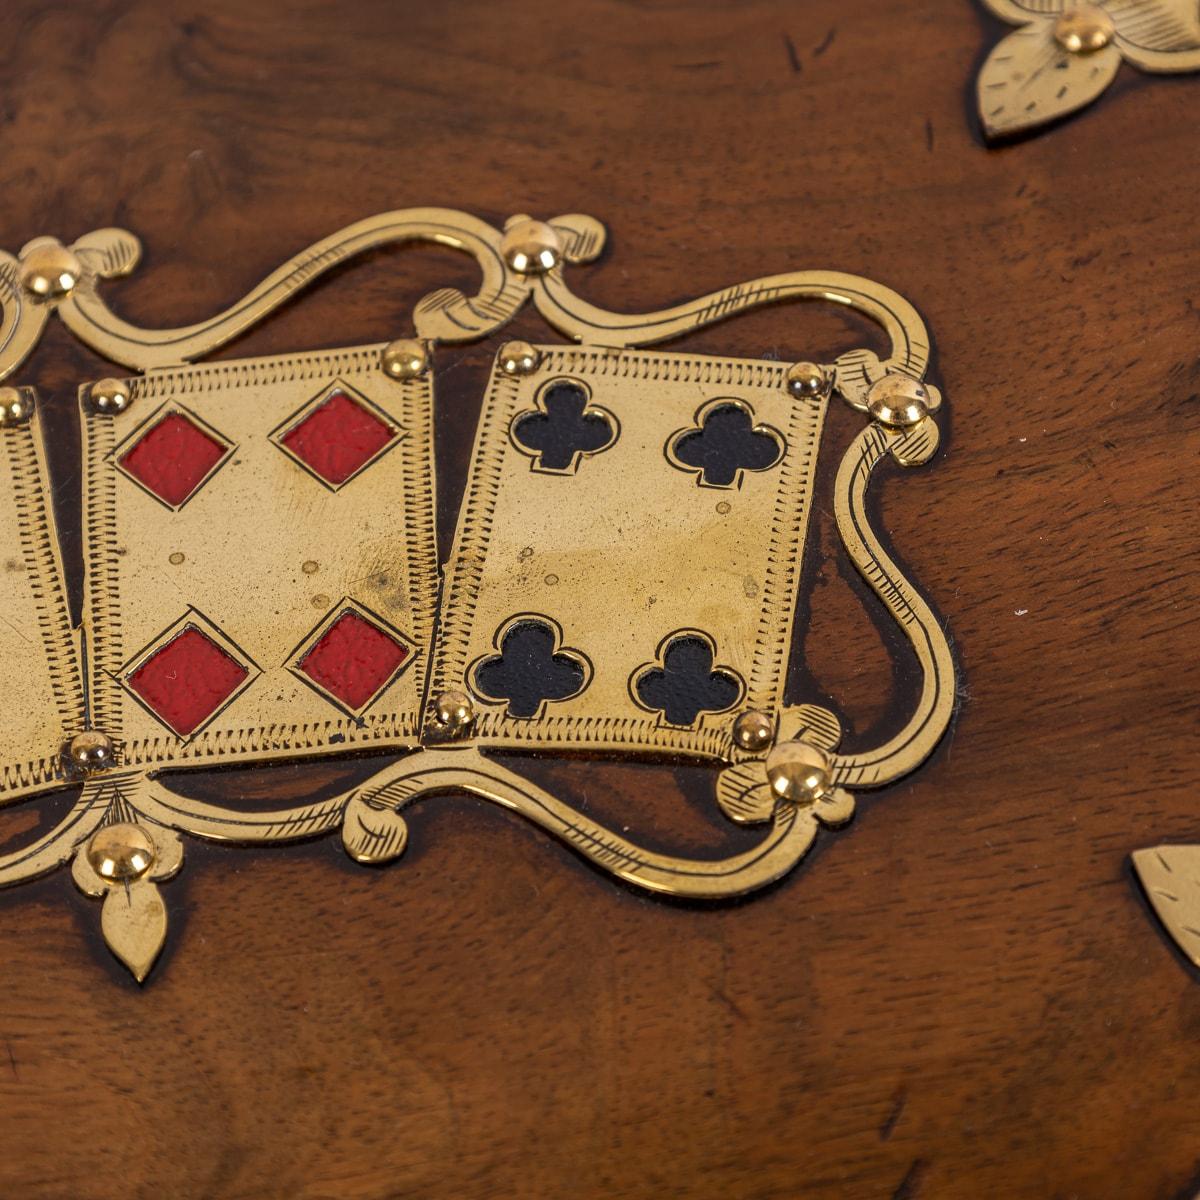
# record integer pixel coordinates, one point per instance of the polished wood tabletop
(962, 995)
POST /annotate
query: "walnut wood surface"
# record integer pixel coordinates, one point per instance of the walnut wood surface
(963, 995)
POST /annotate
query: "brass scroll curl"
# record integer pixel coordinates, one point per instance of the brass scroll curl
(915, 742)
(445, 315)
(909, 340)
(374, 832)
(591, 325)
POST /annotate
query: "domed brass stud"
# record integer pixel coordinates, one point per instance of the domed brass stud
(530, 247)
(753, 730)
(89, 751)
(797, 771)
(16, 407)
(518, 358)
(454, 711)
(121, 852)
(1084, 29)
(48, 269)
(807, 381)
(898, 401)
(110, 396)
(405, 358)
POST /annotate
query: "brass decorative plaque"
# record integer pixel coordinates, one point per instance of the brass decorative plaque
(263, 581)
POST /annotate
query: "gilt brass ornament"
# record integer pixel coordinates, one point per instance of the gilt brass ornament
(1066, 52)
(263, 580)
(1170, 878)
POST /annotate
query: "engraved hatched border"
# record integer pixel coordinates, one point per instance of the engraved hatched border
(465, 572)
(166, 382)
(102, 610)
(789, 532)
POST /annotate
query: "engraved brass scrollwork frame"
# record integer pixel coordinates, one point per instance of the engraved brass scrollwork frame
(780, 768)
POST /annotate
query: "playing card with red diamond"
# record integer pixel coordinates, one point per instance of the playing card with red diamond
(261, 566)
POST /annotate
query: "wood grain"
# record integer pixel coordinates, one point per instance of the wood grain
(963, 995)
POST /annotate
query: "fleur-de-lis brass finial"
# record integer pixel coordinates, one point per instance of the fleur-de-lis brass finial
(1066, 53)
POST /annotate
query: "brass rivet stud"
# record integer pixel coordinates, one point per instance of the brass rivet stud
(753, 730)
(48, 269)
(898, 401)
(518, 358)
(15, 406)
(454, 711)
(89, 751)
(530, 247)
(110, 396)
(405, 358)
(121, 852)
(1084, 29)
(797, 771)
(807, 381)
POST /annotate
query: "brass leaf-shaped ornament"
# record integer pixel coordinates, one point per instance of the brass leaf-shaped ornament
(109, 252)
(1029, 79)
(1019, 11)
(918, 445)
(812, 723)
(582, 236)
(1159, 35)
(85, 877)
(168, 846)
(835, 808)
(744, 794)
(373, 835)
(8, 279)
(134, 924)
(1171, 877)
(854, 372)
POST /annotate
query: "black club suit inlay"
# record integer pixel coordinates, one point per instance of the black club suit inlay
(563, 429)
(529, 670)
(686, 683)
(724, 444)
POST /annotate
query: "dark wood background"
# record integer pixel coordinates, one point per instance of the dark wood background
(963, 995)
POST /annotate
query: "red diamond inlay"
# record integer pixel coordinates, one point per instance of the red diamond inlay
(173, 458)
(338, 438)
(186, 681)
(353, 659)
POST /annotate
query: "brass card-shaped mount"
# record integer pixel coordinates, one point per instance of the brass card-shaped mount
(263, 581)
(647, 567)
(262, 571)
